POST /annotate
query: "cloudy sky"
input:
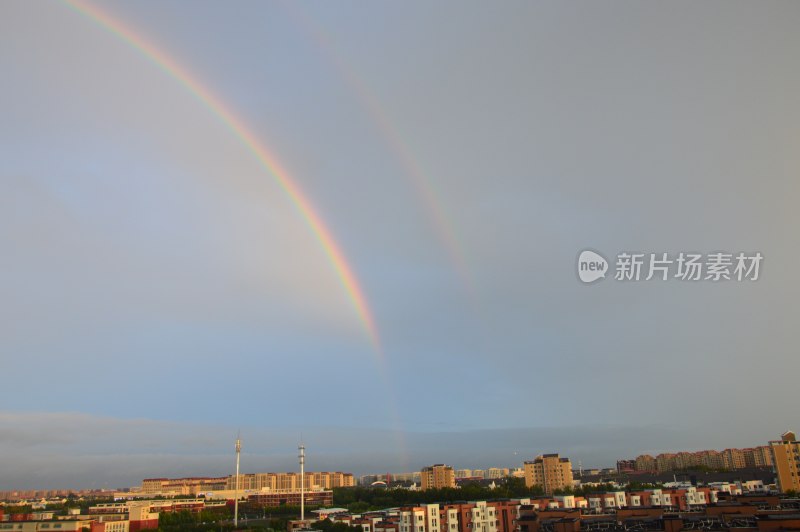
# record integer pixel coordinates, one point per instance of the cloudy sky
(159, 290)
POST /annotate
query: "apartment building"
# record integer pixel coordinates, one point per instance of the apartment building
(611, 511)
(626, 466)
(181, 486)
(480, 516)
(47, 526)
(251, 481)
(420, 518)
(745, 514)
(290, 481)
(405, 477)
(549, 471)
(437, 476)
(758, 456)
(133, 516)
(645, 463)
(497, 472)
(711, 459)
(785, 454)
(292, 498)
(122, 525)
(148, 510)
(731, 459)
(389, 478)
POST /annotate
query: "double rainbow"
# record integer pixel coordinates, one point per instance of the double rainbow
(390, 133)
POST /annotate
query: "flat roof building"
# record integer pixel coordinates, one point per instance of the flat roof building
(437, 476)
(550, 472)
(786, 461)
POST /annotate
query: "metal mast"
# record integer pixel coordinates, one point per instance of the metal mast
(302, 457)
(236, 502)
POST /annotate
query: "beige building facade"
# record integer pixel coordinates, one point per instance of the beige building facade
(181, 486)
(437, 476)
(550, 472)
(291, 481)
(786, 461)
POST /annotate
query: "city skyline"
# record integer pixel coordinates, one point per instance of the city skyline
(358, 225)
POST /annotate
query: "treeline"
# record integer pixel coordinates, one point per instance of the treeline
(363, 499)
(285, 510)
(199, 521)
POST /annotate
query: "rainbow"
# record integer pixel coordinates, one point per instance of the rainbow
(421, 183)
(267, 160)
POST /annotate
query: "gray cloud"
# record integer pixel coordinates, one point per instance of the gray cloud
(72, 450)
(153, 271)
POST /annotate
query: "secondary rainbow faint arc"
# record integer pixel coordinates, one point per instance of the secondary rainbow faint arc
(422, 184)
(267, 160)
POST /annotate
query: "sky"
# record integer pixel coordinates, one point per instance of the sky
(160, 291)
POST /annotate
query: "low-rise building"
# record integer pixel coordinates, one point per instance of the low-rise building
(291, 498)
(181, 486)
(46, 526)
